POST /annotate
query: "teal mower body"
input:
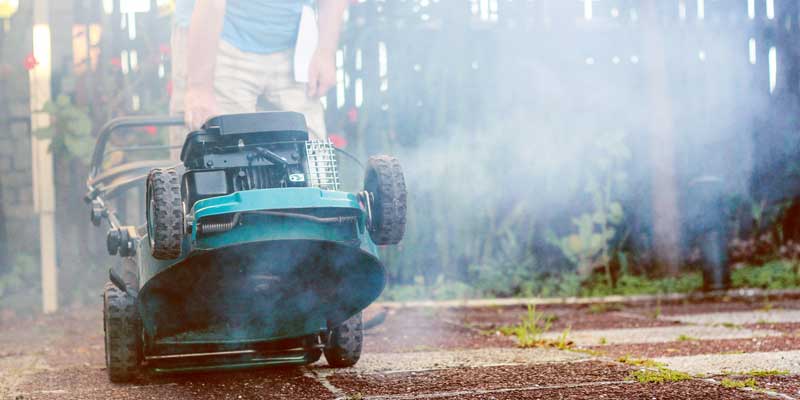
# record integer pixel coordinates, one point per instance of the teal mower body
(250, 254)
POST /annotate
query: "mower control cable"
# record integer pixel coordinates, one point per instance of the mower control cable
(206, 228)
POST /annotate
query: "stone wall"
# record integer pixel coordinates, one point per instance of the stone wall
(20, 224)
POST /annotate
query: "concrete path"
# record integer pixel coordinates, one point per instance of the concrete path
(739, 317)
(714, 364)
(659, 334)
(438, 353)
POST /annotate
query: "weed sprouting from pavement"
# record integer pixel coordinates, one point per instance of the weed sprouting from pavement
(659, 375)
(600, 308)
(603, 340)
(656, 313)
(686, 338)
(530, 329)
(640, 362)
(591, 352)
(737, 384)
(357, 396)
(730, 325)
(767, 372)
(562, 343)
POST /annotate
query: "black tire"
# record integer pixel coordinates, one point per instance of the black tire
(164, 213)
(345, 342)
(385, 182)
(313, 356)
(123, 339)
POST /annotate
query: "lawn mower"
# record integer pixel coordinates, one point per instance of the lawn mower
(250, 254)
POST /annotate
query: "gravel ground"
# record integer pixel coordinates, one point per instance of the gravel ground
(444, 353)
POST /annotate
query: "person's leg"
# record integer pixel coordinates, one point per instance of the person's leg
(284, 93)
(177, 134)
(238, 80)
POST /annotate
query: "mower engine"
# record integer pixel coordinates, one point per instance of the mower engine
(237, 153)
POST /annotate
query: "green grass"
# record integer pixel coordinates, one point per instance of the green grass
(530, 329)
(778, 274)
(686, 338)
(737, 384)
(563, 343)
(600, 308)
(659, 375)
(640, 362)
(766, 372)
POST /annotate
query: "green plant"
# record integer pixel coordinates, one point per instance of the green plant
(599, 308)
(70, 129)
(659, 375)
(737, 384)
(656, 312)
(562, 343)
(603, 340)
(591, 244)
(639, 362)
(766, 372)
(777, 274)
(530, 329)
(685, 338)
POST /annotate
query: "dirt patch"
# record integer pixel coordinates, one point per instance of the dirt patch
(695, 347)
(479, 378)
(680, 390)
(86, 383)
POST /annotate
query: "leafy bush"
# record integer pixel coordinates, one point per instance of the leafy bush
(70, 129)
(778, 274)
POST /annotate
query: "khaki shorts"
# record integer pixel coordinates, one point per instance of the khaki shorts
(240, 79)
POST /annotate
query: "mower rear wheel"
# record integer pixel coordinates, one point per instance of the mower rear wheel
(384, 181)
(345, 342)
(164, 213)
(123, 339)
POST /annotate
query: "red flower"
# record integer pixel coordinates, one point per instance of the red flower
(116, 62)
(164, 49)
(338, 140)
(151, 130)
(30, 62)
(352, 115)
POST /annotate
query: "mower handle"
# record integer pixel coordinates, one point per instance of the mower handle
(125, 122)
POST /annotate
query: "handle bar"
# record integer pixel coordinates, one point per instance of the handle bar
(125, 122)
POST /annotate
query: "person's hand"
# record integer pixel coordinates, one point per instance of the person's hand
(200, 105)
(321, 73)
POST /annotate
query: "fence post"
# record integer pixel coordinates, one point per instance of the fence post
(42, 160)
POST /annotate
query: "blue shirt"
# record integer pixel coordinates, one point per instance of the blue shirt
(183, 12)
(254, 26)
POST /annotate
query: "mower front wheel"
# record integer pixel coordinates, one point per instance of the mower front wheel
(123, 339)
(385, 183)
(164, 213)
(345, 342)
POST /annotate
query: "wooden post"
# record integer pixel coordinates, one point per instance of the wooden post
(42, 160)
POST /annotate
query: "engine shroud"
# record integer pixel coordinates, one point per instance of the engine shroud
(239, 152)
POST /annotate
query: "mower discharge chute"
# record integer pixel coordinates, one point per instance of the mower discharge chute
(250, 255)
